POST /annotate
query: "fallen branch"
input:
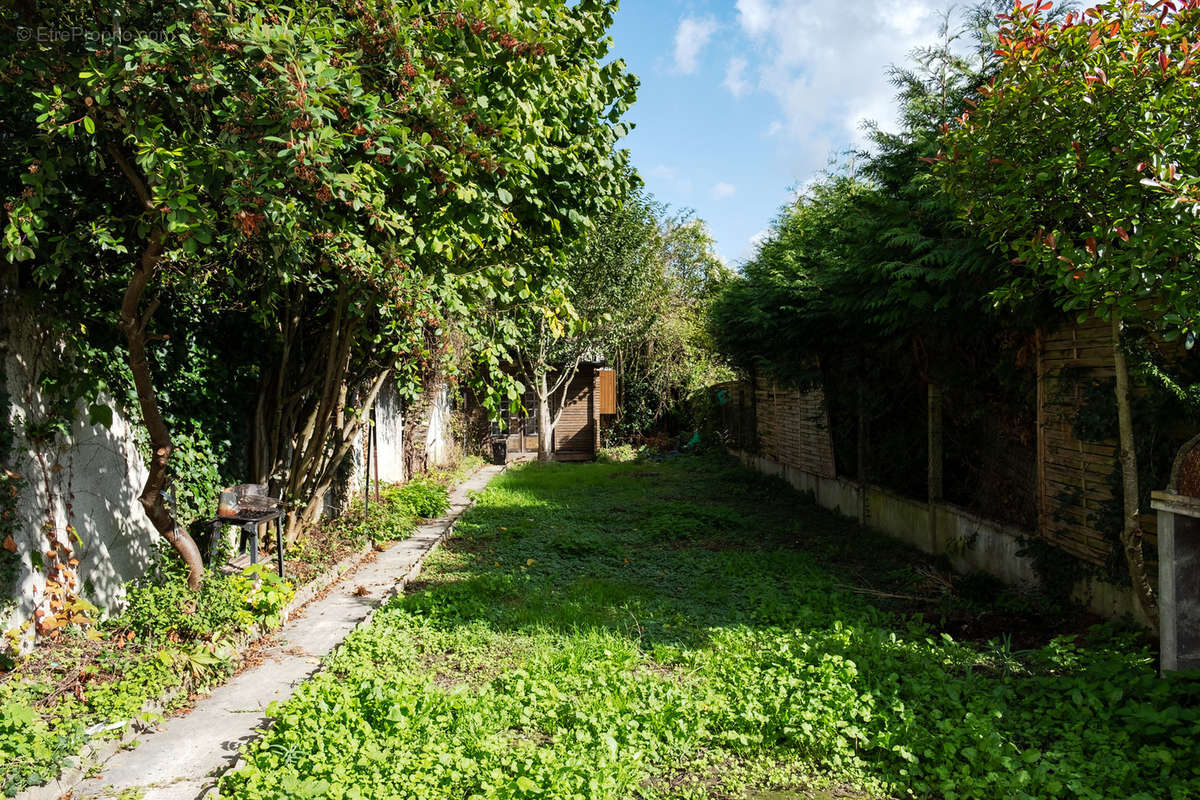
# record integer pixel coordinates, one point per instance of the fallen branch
(888, 595)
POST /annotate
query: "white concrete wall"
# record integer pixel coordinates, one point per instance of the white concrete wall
(389, 432)
(89, 480)
(438, 443)
(389, 435)
(972, 543)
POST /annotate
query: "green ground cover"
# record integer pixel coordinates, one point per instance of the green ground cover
(687, 629)
(90, 683)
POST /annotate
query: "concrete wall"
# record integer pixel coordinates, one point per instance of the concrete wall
(88, 480)
(389, 438)
(389, 435)
(439, 442)
(970, 542)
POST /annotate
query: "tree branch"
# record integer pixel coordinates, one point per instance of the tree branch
(139, 185)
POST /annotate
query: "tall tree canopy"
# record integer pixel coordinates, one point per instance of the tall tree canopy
(873, 253)
(350, 174)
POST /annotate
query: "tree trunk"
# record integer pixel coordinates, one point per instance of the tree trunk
(619, 383)
(1131, 529)
(545, 421)
(341, 440)
(133, 325)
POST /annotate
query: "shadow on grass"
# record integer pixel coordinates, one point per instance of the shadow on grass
(666, 552)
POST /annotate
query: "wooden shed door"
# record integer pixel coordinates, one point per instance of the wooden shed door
(574, 437)
(607, 388)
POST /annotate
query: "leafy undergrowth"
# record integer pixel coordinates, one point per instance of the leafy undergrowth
(686, 629)
(319, 548)
(91, 684)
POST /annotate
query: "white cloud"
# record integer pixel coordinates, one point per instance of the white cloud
(670, 177)
(723, 190)
(757, 239)
(826, 66)
(691, 38)
(754, 15)
(735, 77)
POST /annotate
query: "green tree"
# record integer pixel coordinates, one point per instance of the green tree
(586, 316)
(666, 357)
(872, 253)
(347, 173)
(1079, 157)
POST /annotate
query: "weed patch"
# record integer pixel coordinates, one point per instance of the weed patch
(746, 645)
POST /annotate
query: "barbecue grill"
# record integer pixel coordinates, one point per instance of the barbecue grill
(248, 506)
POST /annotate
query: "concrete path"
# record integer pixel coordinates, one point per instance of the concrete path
(182, 760)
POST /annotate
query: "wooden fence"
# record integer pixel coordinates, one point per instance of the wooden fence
(786, 425)
(1077, 480)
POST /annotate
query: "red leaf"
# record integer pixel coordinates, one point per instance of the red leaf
(1090, 244)
(1124, 234)
(1163, 61)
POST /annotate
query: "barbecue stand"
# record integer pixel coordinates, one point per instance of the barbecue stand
(247, 506)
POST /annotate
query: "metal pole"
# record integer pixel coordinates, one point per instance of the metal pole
(375, 450)
(367, 479)
(279, 543)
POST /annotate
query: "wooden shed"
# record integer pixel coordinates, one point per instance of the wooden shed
(591, 394)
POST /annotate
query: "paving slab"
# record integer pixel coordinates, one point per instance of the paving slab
(180, 760)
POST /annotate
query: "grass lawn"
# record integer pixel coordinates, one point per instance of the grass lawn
(688, 629)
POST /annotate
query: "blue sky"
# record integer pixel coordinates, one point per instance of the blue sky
(742, 102)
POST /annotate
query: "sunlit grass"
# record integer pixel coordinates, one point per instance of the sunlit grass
(687, 629)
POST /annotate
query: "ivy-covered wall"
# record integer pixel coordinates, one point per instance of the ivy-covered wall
(70, 481)
(73, 453)
(11, 484)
